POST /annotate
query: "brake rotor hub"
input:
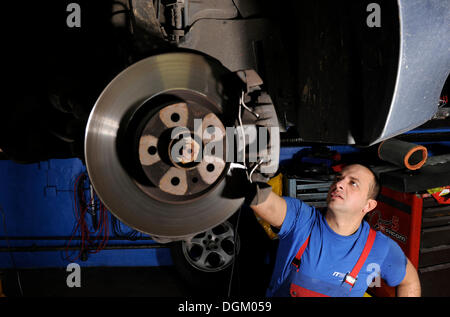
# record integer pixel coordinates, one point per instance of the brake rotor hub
(174, 148)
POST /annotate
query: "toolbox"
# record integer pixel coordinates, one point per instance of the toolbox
(414, 210)
(309, 190)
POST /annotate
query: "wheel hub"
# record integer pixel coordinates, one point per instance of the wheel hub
(172, 148)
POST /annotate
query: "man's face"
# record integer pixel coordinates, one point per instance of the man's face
(349, 192)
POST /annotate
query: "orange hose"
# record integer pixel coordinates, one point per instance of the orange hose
(400, 152)
(411, 152)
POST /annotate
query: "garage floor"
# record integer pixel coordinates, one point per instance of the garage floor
(98, 282)
(161, 281)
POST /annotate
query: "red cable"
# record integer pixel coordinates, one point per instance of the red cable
(89, 239)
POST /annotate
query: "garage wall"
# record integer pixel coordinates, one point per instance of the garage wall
(36, 201)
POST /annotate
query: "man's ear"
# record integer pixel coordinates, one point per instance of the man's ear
(371, 204)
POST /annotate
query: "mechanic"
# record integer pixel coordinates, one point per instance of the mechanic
(334, 253)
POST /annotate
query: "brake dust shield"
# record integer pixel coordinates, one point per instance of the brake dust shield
(145, 146)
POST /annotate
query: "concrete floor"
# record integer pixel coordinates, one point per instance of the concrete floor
(97, 282)
(161, 281)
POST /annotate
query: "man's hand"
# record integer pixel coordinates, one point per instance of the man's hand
(259, 196)
(410, 286)
(272, 210)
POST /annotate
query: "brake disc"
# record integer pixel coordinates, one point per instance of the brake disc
(145, 148)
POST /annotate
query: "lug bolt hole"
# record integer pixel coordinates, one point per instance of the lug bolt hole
(210, 167)
(152, 150)
(175, 117)
(175, 181)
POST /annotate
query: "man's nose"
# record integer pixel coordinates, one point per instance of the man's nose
(340, 184)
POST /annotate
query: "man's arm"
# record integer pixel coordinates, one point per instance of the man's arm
(272, 210)
(410, 286)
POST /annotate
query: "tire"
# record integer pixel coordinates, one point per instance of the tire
(205, 263)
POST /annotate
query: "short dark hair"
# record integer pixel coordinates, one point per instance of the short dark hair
(375, 187)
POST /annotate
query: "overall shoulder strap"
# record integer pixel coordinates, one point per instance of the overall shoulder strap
(296, 260)
(351, 277)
